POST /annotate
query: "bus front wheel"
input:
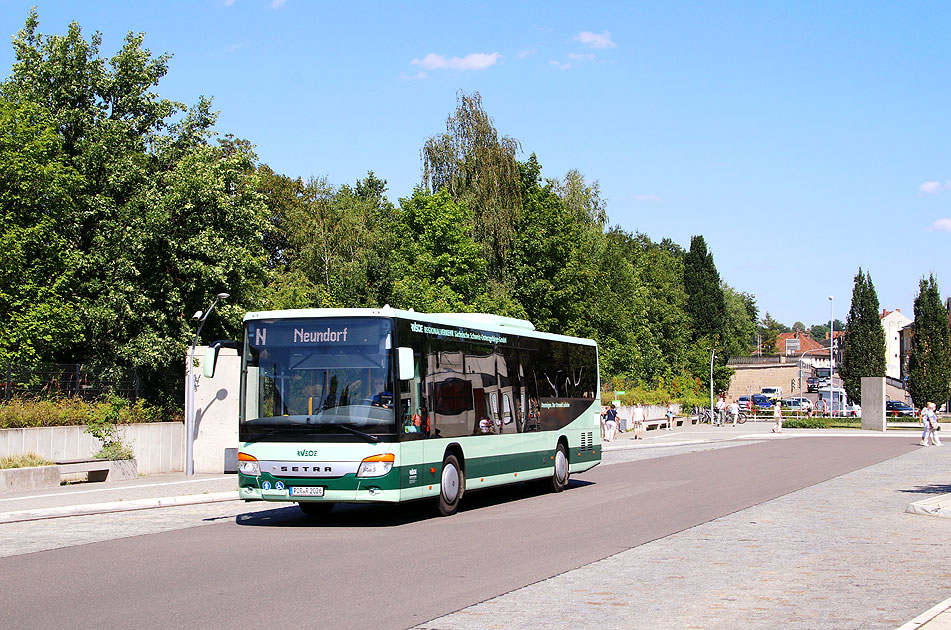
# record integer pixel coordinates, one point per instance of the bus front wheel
(559, 478)
(451, 487)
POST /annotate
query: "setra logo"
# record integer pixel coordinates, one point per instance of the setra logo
(307, 453)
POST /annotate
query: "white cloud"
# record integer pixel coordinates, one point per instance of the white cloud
(472, 61)
(525, 53)
(581, 56)
(595, 40)
(941, 225)
(933, 188)
(418, 75)
(646, 198)
(559, 65)
(277, 4)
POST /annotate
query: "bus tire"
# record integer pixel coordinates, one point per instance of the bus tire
(452, 485)
(559, 478)
(316, 509)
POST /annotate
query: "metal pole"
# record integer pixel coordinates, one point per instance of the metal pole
(714, 354)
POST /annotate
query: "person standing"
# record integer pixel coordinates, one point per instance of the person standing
(807, 404)
(638, 420)
(610, 423)
(670, 417)
(718, 418)
(778, 417)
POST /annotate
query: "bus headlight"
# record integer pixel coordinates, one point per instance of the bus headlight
(376, 465)
(248, 465)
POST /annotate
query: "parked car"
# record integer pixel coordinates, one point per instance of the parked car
(762, 401)
(851, 410)
(796, 403)
(897, 408)
(774, 393)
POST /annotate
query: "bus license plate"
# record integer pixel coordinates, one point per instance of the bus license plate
(307, 491)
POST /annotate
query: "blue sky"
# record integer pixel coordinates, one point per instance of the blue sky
(803, 140)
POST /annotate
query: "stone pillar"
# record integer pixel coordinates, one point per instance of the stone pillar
(873, 403)
(216, 400)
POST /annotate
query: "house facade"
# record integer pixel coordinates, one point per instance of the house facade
(893, 322)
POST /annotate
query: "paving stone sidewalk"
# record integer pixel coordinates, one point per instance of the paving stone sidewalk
(840, 554)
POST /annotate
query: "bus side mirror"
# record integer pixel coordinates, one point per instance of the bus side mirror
(211, 355)
(404, 357)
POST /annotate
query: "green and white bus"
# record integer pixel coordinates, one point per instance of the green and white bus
(385, 405)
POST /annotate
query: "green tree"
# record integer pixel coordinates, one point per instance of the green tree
(740, 325)
(159, 219)
(38, 311)
(479, 170)
(863, 351)
(705, 301)
(929, 367)
(437, 267)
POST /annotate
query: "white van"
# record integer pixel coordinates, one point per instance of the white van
(773, 393)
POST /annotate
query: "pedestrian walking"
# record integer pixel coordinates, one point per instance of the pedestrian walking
(929, 420)
(604, 433)
(638, 421)
(670, 417)
(807, 404)
(778, 417)
(718, 418)
(735, 411)
(610, 423)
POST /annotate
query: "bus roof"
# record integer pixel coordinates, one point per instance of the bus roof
(481, 321)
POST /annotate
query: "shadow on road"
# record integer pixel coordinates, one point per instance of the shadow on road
(935, 488)
(351, 515)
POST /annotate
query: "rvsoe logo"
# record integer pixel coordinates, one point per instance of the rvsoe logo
(307, 453)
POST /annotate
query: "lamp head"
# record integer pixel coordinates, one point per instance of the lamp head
(197, 315)
(830, 298)
(225, 296)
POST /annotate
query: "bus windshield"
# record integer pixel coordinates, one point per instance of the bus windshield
(317, 379)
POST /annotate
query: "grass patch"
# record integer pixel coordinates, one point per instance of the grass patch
(24, 460)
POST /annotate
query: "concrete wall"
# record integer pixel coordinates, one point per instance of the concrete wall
(216, 402)
(158, 446)
(750, 379)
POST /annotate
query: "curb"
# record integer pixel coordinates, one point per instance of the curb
(934, 506)
(117, 506)
(927, 616)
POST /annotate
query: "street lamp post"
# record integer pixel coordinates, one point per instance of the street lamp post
(831, 358)
(190, 386)
(712, 356)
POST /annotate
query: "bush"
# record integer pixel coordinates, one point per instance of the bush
(115, 451)
(19, 413)
(807, 423)
(24, 460)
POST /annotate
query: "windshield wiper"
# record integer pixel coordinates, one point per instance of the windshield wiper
(372, 439)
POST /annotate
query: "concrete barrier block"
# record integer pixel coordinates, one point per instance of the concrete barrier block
(123, 469)
(31, 478)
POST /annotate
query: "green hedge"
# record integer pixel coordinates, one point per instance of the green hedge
(20, 413)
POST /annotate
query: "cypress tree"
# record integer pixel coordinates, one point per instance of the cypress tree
(863, 351)
(929, 368)
(705, 302)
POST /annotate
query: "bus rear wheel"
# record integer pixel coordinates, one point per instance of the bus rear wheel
(559, 478)
(315, 509)
(451, 487)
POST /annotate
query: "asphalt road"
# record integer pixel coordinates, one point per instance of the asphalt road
(396, 568)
